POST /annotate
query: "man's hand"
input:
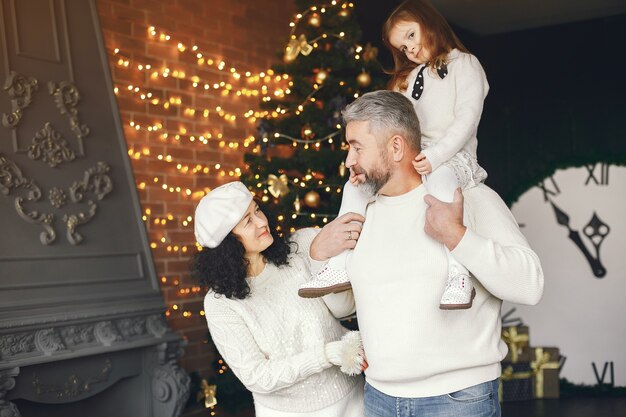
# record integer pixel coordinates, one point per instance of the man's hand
(337, 236)
(422, 165)
(444, 221)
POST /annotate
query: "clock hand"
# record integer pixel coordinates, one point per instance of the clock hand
(563, 219)
(596, 230)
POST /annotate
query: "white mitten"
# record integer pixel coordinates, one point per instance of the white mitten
(347, 353)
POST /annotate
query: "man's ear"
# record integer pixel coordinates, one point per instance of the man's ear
(398, 148)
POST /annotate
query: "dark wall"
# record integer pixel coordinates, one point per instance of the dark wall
(556, 97)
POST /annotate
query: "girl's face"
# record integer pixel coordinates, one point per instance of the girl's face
(253, 230)
(407, 38)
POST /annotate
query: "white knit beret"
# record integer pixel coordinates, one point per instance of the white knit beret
(219, 212)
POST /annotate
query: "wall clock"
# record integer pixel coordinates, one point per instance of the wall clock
(575, 220)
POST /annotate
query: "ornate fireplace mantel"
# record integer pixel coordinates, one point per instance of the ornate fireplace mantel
(82, 331)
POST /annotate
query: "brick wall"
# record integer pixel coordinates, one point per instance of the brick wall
(245, 34)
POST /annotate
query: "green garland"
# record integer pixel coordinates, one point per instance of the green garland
(571, 390)
(538, 173)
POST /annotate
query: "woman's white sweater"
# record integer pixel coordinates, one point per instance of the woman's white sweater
(274, 340)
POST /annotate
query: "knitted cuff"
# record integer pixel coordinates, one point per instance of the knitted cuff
(433, 157)
(321, 357)
(333, 352)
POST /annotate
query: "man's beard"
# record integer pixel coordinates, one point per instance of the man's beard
(376, 178)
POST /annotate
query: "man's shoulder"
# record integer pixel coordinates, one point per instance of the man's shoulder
(482, 195)
(480, 189)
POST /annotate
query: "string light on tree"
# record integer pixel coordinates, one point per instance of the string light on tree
(320, 76)
(315, 20)
(307, 132)
(345, 10)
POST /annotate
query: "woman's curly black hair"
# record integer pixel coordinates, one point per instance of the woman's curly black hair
(224, 269)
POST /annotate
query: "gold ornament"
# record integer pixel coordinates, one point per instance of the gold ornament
(208, 393)
(321, 76)
(342, 169)
(344, 12)
(312, 199)
(364, 79)
(296, 204)
(315, 20)
(278, 186)
(369, 53)
(307, 132)
(295, 47)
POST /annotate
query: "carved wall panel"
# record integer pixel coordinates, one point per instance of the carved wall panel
(36, 34)
(95, 181)
(66, 97)
(50, 147)
(20, 91)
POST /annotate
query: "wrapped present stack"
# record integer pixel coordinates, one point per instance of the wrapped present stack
(528, 372)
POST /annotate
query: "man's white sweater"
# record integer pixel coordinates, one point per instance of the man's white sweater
(398, 274)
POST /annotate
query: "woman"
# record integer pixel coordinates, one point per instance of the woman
(280, 346)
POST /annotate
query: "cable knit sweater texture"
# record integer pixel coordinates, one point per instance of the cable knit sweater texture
(398, 273)
(449, 109)
(274, 340)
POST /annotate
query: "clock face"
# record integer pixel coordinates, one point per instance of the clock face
(576, 222)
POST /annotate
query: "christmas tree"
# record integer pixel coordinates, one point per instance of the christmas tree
(296, 166)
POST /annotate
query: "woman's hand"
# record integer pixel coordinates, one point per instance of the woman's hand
(337, 236)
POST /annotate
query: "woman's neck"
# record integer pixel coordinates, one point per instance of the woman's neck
(256, 264)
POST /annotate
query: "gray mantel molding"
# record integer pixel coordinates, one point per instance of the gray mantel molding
(170, 383)
(27, 317)
(7, 383)
(72, 340)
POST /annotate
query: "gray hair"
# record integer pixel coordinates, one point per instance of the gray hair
(388, 112)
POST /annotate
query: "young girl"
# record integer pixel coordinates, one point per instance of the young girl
(447, 87)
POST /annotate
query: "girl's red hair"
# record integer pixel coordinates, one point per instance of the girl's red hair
(437, 36)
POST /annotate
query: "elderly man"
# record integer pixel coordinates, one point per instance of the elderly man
(424, 361)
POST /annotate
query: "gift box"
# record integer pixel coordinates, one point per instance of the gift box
(516, 382)
(517, 339)
(545, 366)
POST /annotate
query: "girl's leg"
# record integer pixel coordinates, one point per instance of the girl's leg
(353, 200)
(334, 278)
(459, 292)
